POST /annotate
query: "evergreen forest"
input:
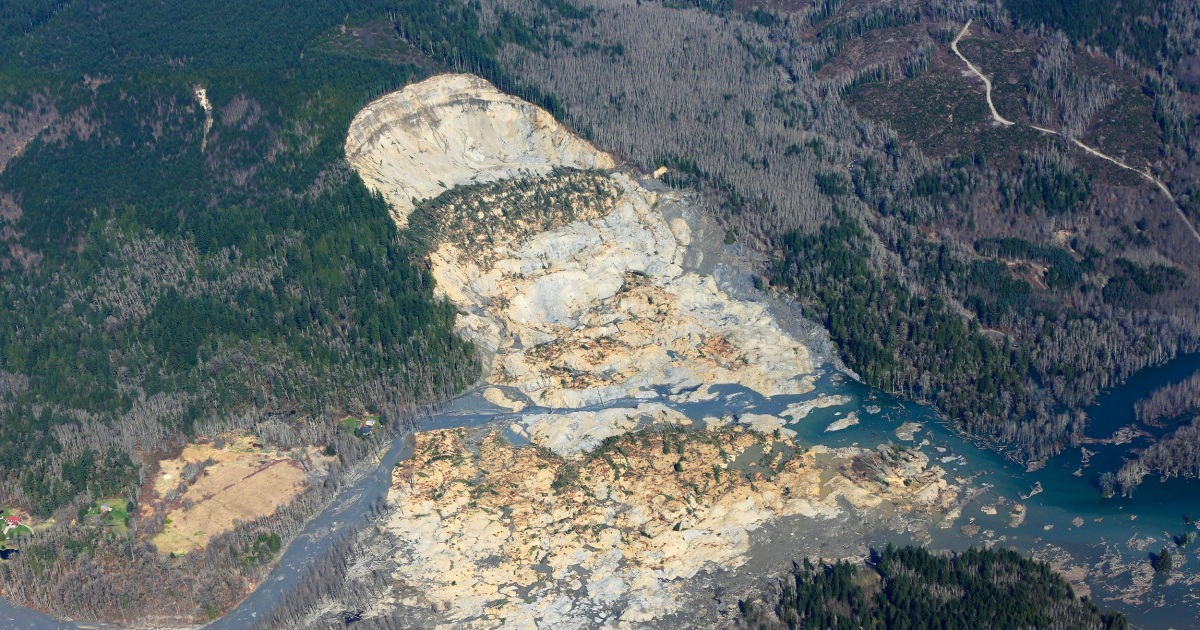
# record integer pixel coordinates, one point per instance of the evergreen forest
(909, 587)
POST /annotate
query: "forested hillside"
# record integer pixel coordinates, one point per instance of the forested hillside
(170, 272)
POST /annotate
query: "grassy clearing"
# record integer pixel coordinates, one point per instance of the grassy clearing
(358, 424)
(113, 519)
(238, 482)
(25, 522)
(21, 530)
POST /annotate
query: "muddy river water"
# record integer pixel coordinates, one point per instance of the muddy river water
(1104, 544)
(1109, 552)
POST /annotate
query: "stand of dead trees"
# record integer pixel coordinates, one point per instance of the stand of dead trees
(753, 108)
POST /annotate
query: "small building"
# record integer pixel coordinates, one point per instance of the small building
(12, 521)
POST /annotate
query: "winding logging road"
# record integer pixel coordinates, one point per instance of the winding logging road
(987, 83)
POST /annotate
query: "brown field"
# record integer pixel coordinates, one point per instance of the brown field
(242, 482)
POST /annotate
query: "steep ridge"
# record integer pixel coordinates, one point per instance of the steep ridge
(456, 129)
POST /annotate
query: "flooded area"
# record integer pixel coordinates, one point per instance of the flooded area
(1103, 545)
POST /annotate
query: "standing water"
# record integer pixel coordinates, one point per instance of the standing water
(1104, 543)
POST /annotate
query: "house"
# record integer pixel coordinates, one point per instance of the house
(368, 426)
(105, 509)
(12, 521)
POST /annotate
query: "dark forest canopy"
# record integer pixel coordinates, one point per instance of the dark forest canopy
(127, 275)
(908, 587)
(162, 281)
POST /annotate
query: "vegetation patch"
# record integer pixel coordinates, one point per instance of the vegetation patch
(112, 514)
(14, 523)
(361, 425)
(482, 218)
(374, 39)
(909, 587)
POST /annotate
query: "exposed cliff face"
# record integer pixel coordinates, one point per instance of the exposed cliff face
(452, 130)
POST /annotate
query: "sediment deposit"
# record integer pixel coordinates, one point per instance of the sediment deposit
(209, 488)
(584, 289)
(494, 534)
(600, 306)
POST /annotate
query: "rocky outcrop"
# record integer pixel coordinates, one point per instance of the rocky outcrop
(457, 129)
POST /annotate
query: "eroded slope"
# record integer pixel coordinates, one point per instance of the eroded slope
(590, 300)
(582, 288)
(456, 129)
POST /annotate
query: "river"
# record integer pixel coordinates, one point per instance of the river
(1116, 536)
(1102, 541)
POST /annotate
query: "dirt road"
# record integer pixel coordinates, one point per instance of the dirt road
(1145, 173)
